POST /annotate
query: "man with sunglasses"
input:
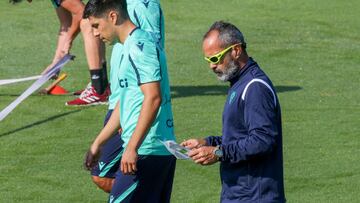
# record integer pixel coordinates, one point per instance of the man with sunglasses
(250, 148)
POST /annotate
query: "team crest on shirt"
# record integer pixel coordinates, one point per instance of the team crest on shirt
(232, 97)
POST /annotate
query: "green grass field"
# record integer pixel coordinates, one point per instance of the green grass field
(310, 49)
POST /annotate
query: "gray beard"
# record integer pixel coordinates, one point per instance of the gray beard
(230, 72)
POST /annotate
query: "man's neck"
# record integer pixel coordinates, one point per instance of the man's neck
(242, 64)
(124, 30)
(243, 61)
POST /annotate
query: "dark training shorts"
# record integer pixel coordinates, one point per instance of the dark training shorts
(56, 3)
(152, 182)
(110, 154)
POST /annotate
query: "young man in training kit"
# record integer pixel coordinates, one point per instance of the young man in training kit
(143, 111)
(146, 15)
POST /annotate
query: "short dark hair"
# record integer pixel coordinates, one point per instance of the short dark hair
(99, 8)
(229, 34)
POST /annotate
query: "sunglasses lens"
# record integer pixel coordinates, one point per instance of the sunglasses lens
(214, 59)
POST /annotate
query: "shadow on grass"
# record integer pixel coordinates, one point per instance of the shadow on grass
(177, 92)
(281, 88)
(10, 95)
(188, 91)
(40, 122)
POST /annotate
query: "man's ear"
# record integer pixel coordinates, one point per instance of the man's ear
(113, 16)
(237, 51)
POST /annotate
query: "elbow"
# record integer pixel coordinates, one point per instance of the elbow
(157, 101)
(153, 101)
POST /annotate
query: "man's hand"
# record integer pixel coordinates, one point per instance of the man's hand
(193, 143)
(128, 161)
(91, 160)
(203, 155)
(56, 75)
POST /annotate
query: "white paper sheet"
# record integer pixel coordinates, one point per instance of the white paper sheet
(174, 148)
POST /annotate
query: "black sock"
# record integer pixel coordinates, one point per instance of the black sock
(98, 81)
(104, 72)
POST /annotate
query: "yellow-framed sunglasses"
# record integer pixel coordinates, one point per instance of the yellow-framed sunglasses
(215, 59)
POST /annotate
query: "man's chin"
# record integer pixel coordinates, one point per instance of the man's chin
(110, 43)
(113, 42)
(222, 78)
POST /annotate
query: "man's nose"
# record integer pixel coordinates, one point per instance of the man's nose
(96, 33)
(212, 66)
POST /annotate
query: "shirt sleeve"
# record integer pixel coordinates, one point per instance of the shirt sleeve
(261, 120)
(148, 16)
(213, 140)
(144, 58)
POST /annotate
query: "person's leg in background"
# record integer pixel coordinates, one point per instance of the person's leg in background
(94, 48)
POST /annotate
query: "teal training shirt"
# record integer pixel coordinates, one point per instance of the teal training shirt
(143, 61)
(147, 15)
(114, 64)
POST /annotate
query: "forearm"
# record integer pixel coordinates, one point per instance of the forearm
(60, 51)
(147, 115)
(255, 145)
(70, 15)
(74, 29)
(109, 130)
(66, 37)
(213, 140)
(63, 46)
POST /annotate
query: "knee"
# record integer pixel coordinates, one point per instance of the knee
(103, 183)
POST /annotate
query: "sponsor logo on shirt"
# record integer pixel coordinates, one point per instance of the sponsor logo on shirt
(123, 83)
(169, 123)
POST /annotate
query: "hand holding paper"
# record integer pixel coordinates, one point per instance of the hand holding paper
(174, 148)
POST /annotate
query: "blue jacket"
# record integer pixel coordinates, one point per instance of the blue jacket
(251, 168)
